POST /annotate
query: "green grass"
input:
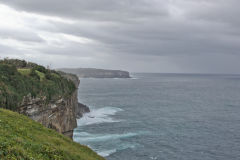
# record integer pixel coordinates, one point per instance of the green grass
(27, 71)
(24, 71)
(55, 75)
(24, 139)
(41, 75)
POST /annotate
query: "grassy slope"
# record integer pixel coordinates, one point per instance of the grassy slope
(23, 139)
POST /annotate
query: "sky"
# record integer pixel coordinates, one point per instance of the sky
(169, 36)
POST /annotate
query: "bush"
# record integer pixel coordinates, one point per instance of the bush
(40, 69)
(15, 62)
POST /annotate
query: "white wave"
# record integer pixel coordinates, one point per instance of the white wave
(84, 137)
(118, 147)
(101, 115)
(106, 153)
(110, 143)
(103, 144)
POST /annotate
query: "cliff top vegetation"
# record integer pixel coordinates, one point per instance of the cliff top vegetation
(19, 78)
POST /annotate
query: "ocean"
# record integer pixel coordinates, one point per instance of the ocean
(162, 117)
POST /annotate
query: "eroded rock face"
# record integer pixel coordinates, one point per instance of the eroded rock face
(58, 115)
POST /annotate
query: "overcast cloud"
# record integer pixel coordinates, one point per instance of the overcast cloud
(200, 36)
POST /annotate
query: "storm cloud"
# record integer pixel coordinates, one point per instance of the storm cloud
(200, 36)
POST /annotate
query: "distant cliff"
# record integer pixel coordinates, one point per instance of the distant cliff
(96, 73)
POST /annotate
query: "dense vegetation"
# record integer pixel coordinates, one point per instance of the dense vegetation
(19, 78)
(23, 139)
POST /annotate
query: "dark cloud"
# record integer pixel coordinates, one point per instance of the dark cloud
(220, 11)
(104, 10)
(172, 35)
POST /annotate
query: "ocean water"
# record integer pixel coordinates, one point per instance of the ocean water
(162, 117)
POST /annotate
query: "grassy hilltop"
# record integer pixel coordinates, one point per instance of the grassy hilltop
(18, 78)
(24, 139)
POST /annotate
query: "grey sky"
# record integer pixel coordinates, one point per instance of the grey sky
(200, 36)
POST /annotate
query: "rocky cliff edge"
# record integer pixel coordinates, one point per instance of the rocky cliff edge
(59, 114)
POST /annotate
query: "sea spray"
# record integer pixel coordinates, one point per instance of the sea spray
(101, 115)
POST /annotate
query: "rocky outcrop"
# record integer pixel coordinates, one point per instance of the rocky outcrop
(59, 114)
(96, 73)
(81, 109)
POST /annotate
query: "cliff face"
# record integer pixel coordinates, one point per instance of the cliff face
(58, 114)
(80, 109)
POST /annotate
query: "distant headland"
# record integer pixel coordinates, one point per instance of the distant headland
(96, 73)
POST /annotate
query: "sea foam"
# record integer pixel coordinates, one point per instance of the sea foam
(100, 115)
(106, 153)
(112, 142)
(87, 137)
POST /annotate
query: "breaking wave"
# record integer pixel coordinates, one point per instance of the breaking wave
(87, 137)
(101, 115)
(105, 144)
(110, 143)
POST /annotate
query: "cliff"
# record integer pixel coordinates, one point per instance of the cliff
(47, 97)
(44, 95)
(80, 108)
(96, 73)
(57, 114)
(60, 114)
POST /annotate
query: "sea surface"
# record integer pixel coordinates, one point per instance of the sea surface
(162, 117)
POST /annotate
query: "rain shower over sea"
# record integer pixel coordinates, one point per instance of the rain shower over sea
(162, 117)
